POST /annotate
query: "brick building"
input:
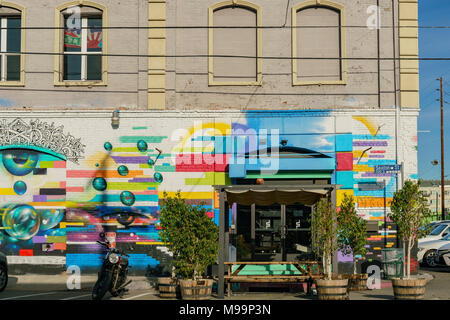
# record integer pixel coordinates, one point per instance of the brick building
(107, 104)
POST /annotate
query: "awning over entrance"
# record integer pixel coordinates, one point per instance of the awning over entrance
(266, 197)
(263, 195)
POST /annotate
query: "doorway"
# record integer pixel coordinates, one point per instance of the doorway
(273, 233)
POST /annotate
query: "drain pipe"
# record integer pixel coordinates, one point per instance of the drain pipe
(397, 111)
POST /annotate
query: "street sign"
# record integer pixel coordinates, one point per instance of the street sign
(385, 169)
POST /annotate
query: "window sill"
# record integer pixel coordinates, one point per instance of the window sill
(319, 83)
(81, 84)
(238, 83)
(12, 84)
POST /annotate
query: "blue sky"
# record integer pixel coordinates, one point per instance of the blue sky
(433, 43)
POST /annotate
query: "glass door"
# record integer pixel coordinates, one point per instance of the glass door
(298, 232)
(268, 228)
(273, 233)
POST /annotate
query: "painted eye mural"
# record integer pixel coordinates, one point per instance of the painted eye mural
(26, 213)
(20, 162)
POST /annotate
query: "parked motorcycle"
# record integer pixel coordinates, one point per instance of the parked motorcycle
(113, 274)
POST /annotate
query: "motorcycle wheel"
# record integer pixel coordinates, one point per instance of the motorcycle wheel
(117, 293)
(101, 286)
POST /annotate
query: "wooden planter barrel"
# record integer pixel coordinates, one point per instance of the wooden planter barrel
(332, 289)
(357, 282)
(409, 289)
(168, 288)
(196, 289)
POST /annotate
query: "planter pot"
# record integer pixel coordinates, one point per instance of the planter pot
(409, 289)
(332, 289)
(196, 289)
(168, 288)
(357, 282)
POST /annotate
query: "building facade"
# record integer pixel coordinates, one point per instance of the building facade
(432, 190)
(106, 105)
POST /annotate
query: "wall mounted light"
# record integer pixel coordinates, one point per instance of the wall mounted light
(115, 120)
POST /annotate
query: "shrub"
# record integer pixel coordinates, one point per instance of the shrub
(324, 233)
(352, 235)
(191, 236)
(409, 213)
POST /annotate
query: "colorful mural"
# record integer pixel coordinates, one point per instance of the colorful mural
(59, 193)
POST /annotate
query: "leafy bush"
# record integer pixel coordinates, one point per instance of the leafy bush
(409, 212)
(191, 236)
(324, 233)
(352, 235)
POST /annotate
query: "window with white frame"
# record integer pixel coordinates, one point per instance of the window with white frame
(10, 45)
(83, 47)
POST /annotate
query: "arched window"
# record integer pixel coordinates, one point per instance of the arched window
(11, 44)
(318, 43)
(81, 42)
(234, 51)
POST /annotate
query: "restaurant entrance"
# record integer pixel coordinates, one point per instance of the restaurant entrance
(273, 233)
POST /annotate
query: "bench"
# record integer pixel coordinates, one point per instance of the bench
(301, 274)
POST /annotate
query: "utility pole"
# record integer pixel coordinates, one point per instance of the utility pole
(442, 154)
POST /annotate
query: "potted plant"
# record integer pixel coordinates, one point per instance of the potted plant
(352, 239)
(325, 242)
(169, 287)
(409, 212)
(192, 237)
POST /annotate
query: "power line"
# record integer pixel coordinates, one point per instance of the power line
(229, 27)
(231, 56)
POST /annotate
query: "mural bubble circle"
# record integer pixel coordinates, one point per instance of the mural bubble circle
(127, 198)
(142, 146)
(158, 177)
(20, 162)
(21, 222)
(108, 146)
(50, 218)
(99, 184)
(20, 187)
(151, 162)
(123, 170)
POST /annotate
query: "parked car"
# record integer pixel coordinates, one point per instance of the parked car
(439, 231)
(427, 250)
(3, 272)
(442, 256)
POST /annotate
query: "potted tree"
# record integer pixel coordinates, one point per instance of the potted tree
(409, 212)
(170, 224)
(192, 237)
(352, 239)
(325, 242)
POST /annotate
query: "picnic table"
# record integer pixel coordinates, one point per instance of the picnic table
(305, 271)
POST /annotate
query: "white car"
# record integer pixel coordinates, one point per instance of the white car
(442, 256)
(427, 250)
(439, 231)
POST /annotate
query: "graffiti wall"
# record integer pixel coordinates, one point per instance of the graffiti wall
(67, 181)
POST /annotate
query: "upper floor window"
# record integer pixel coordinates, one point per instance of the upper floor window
(10, 45)
(318, 43)
(234, 51)
(82, 44)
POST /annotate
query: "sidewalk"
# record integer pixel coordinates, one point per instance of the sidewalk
(437, 287)
(60, 282)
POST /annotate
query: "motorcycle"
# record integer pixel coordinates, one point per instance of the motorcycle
(113, 274)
